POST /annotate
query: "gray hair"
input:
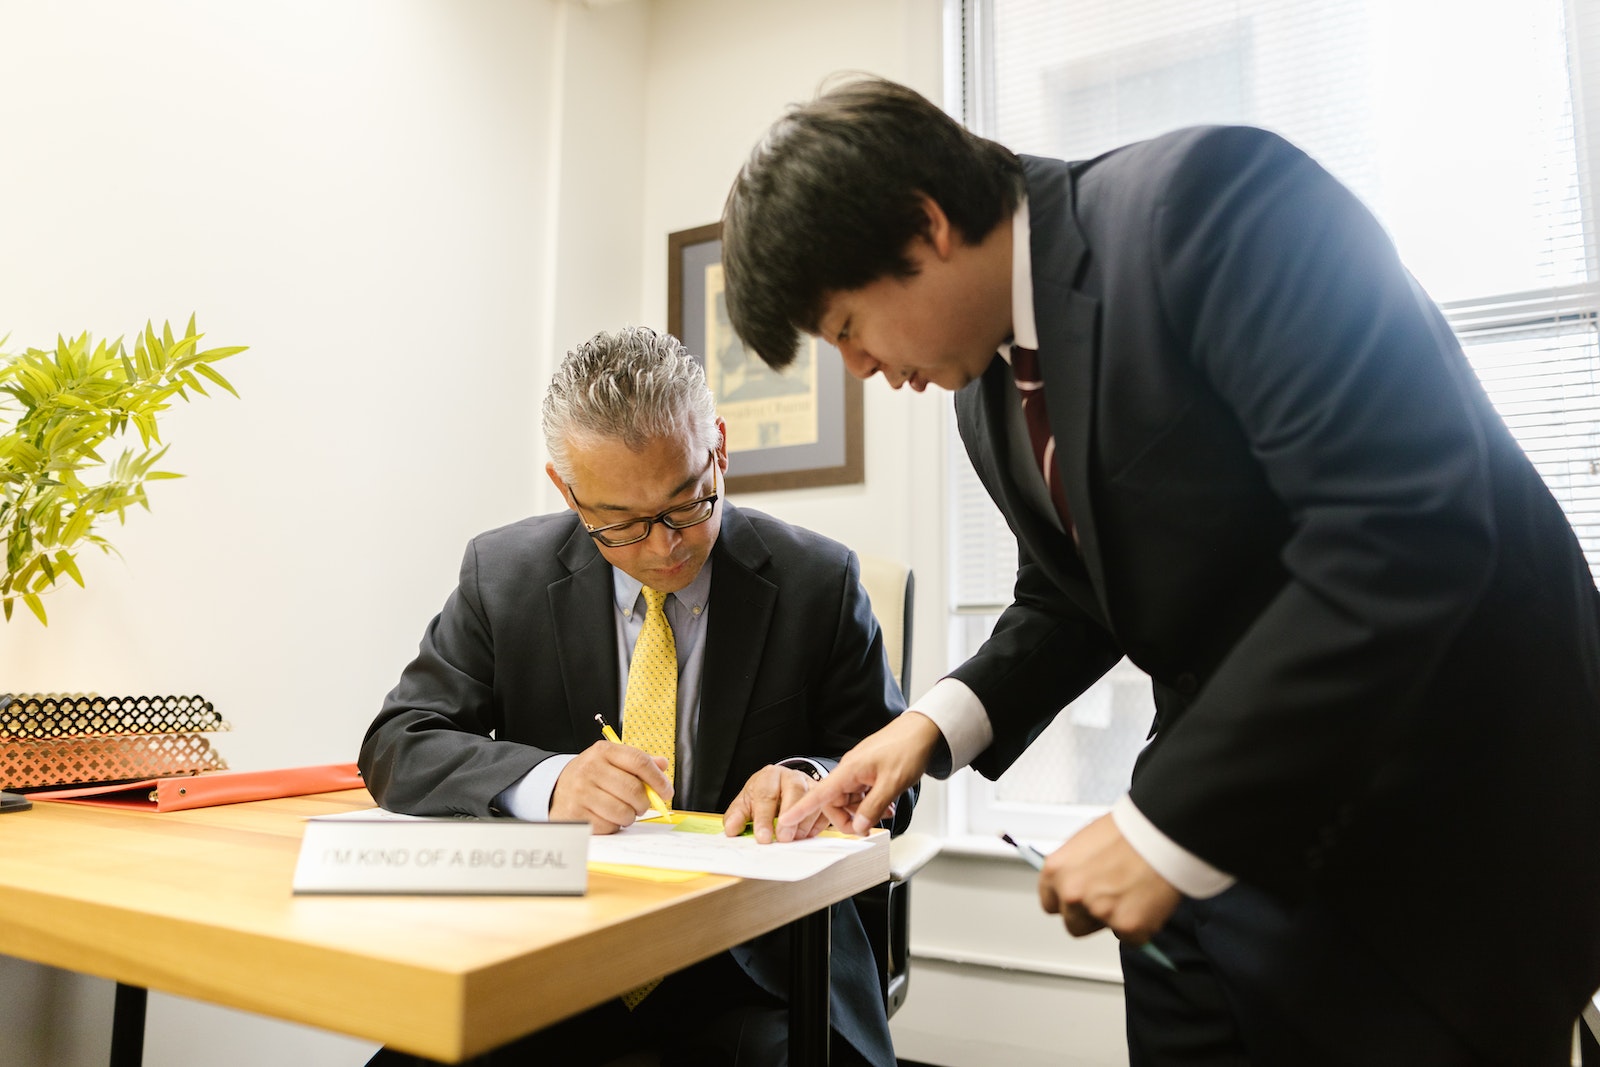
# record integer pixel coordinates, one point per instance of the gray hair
(632, 386)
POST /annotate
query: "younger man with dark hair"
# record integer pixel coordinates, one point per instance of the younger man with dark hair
(1240, 446)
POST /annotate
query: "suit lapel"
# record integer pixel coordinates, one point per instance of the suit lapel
(1050, 549)
(586, 636)
(1067, 321)
(741, 607)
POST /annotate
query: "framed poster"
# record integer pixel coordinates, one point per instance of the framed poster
(789, 430)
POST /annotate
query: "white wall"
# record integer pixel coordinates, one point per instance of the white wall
(357, 191)
(409, 209)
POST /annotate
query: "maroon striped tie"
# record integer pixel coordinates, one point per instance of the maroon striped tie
(1025, 369)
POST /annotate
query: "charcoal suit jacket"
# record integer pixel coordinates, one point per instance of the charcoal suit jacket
(524, 655)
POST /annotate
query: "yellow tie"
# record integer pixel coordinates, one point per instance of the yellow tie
(650, 709)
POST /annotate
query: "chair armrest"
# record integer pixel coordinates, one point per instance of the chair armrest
(909, 853)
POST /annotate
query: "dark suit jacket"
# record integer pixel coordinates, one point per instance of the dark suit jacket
(523, 656)
(1372, 633)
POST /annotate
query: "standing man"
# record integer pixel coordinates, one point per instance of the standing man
(1240, 446)
(775, 663)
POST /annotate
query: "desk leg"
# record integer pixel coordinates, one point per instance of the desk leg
(127, 1026)
(810, 940)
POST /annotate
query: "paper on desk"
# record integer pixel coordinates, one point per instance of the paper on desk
(661, 844)
(655, 844)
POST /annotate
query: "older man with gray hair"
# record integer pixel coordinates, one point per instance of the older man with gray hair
(738, 655)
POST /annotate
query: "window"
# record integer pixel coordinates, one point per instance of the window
(1472, 130)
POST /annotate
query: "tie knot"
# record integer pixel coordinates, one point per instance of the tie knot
(1024, 364)
(654, 599)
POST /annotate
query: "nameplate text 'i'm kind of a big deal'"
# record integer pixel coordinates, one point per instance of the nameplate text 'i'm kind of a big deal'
(388, 854)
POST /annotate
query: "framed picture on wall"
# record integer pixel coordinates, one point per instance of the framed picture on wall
(789, 430)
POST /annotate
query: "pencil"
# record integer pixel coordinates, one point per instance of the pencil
(611, 735)
(1035, 860)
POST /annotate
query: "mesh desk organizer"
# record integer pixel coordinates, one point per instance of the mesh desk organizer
(60, 740)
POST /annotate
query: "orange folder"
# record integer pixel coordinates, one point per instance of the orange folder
(206, 790)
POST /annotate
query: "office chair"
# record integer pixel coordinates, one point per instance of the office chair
(886, 909)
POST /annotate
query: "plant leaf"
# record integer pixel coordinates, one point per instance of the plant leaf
(66, 562)
(202, 369)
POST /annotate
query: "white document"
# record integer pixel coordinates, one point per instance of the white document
(654, 844)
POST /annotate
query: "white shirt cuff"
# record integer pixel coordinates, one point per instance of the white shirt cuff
(1188, 873)
(528, 798)
(960, 717)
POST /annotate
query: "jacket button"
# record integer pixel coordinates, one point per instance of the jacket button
(1187, 684)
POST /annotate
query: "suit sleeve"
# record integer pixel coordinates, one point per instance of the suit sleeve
(1044, 652)
(1353, 398)
(430, 749)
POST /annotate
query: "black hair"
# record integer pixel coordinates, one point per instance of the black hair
(831, 200)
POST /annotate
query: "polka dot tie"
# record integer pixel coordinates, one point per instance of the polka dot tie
(650, 708)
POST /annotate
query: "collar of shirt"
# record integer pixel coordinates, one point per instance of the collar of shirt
(692, 597)
(1024, 331)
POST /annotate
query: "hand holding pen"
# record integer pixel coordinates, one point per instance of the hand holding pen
(1036, 860)
(602, 786)
(656, 803)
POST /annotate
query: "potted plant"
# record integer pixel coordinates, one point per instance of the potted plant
(58, 410)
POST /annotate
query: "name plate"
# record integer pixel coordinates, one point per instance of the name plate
(459, 856)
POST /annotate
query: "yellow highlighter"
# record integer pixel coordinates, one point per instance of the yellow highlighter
(655, 798)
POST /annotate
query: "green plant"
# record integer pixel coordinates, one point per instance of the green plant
(57, 409)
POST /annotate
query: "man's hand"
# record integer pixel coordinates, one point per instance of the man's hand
(770, 790)
(864, 785)
(604, 786)
(1097, 879)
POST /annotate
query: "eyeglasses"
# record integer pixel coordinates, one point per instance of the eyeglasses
(632, 531)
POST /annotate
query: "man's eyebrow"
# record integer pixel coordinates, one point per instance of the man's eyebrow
(683, 487)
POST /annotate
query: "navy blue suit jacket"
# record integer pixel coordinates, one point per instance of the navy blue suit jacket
(1371, 629)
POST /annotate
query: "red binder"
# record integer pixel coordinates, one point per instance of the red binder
(206, 790)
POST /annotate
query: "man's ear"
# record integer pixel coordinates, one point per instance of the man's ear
(938, 231)
(722, 444)
(561, 486)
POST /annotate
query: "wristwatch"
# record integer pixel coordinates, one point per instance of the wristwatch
(805, 766)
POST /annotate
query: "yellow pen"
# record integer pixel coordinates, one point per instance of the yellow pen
(611, 735)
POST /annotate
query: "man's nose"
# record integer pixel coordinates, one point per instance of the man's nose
(857, 362)
(669, 537)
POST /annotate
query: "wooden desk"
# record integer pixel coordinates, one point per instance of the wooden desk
(198, 904)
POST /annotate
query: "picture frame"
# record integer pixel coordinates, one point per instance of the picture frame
(792, 430)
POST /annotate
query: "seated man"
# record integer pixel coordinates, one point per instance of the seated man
(766, 667)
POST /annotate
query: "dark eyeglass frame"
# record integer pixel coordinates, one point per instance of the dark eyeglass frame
(664, 517)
